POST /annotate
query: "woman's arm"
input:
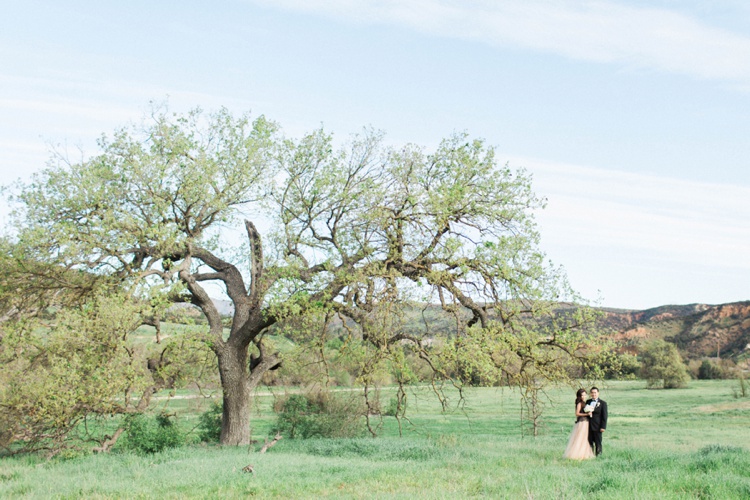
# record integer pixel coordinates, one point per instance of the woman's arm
(578, 411)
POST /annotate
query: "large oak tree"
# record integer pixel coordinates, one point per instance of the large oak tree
(348, 231)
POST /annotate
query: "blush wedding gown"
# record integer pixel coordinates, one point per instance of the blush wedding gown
(578, 445)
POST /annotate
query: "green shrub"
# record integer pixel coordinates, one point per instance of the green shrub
(662, 366)
(209, 423)
(709, 371)
(292, 415)
(393, 409)
(334, 344)
(628, 367)
(152, 435)
(609, 365)
(319, 414)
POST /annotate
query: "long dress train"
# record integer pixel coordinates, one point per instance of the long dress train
(578, 445)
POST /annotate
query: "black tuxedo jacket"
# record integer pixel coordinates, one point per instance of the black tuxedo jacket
(598, 420)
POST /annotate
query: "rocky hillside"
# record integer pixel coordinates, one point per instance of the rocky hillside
(699, 330)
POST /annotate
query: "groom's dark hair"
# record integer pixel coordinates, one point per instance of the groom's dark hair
(594, 388)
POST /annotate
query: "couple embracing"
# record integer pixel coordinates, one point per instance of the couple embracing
(591, 421)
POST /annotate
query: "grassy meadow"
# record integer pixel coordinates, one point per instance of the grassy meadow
(680, 443)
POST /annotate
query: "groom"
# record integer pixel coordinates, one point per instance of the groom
(597, 421)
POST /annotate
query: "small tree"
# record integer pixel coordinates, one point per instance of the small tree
(82, 366)
(662, 365)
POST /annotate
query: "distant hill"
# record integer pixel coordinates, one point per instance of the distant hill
(698, 330)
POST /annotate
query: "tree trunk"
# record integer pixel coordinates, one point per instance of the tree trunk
(238, 380)
(235, 421)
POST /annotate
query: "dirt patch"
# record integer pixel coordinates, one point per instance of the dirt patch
(734, 405)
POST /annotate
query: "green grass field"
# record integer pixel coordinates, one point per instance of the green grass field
(682, 443)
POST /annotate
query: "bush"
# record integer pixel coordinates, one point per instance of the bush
(293, 412)
(609, 365)
(629, 367)
(319, 414)
(147, 435)
(209, 423)
(393, 409)
(709, 371)
(661, 365)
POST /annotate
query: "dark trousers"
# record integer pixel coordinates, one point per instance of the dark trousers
(595, 440)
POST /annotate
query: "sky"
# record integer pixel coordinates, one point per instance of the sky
(633, 117)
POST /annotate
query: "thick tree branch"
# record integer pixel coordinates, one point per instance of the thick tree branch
(200, 298)
(433, 244)
(233, 280)
(263, 363)
(210, 276)
(256, 266)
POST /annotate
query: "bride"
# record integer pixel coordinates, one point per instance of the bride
(578, 444)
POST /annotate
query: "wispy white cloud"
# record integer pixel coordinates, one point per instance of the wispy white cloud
(599, 31)
(101, 98)
(80, 109)
(74, 111)
(695, 223)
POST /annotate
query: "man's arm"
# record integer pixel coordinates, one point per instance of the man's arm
(604, 417)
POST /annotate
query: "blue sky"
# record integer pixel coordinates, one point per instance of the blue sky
(633, 117)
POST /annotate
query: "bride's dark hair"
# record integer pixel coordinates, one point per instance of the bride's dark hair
(579, 399)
